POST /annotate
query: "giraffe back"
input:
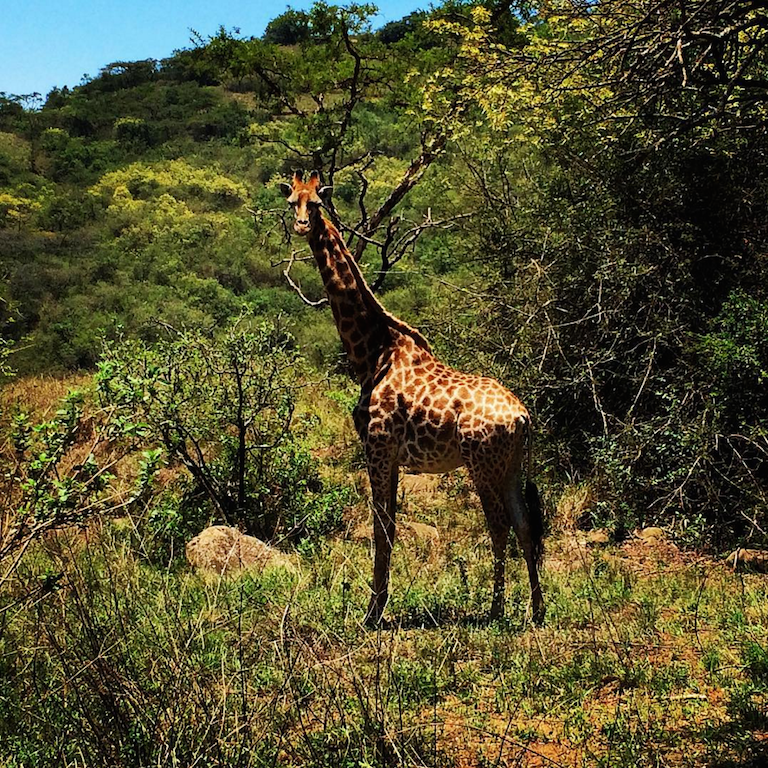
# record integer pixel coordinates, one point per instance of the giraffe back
(437, 418)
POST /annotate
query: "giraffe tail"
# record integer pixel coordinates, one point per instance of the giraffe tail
(533, 501)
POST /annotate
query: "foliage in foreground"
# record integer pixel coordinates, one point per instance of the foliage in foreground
(59, 472)
(219, 405)
(222, 405)
(648, 658)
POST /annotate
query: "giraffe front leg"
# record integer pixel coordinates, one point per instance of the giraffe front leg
(384, 491)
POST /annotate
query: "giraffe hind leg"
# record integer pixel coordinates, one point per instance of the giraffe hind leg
(498, 522)
(525, 515)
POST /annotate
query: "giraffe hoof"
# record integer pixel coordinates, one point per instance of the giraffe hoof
(373, 622)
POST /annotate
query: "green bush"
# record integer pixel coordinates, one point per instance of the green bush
(58, 474)
(222, 405)
(736, 355)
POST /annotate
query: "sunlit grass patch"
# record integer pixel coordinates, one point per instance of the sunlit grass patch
(643, 661)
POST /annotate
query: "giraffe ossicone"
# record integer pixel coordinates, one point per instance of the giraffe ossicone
(416, 412)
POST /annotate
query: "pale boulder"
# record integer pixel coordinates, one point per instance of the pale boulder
(223, 550)
(651, 535)
(421, 532)
(749, 559)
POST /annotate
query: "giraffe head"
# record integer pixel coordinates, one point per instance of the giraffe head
(305, 197)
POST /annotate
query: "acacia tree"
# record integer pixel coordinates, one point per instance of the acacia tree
(325, 86)
(673, 65)
(648, 70)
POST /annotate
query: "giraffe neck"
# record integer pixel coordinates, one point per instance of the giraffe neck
(365, 327)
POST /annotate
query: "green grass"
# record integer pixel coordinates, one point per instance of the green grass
(647, 658)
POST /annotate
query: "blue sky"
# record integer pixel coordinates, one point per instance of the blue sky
(48, 43)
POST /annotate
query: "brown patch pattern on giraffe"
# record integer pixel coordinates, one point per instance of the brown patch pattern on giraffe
(414, 411)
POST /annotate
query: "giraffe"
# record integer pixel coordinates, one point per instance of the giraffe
(416, 412)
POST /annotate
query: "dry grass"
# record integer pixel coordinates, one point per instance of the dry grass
(40, 395)
(650, 656)
(641, 662)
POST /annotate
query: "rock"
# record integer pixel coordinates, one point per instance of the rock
(420, 484)
(222, 550)
(597, 538)
(651, 535)
(420, 531)
(750, 559)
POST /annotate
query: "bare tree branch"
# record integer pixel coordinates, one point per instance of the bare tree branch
(295, 286)
(431, 148)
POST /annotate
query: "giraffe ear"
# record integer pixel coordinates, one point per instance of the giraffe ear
(324, 193)
(286, 189)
